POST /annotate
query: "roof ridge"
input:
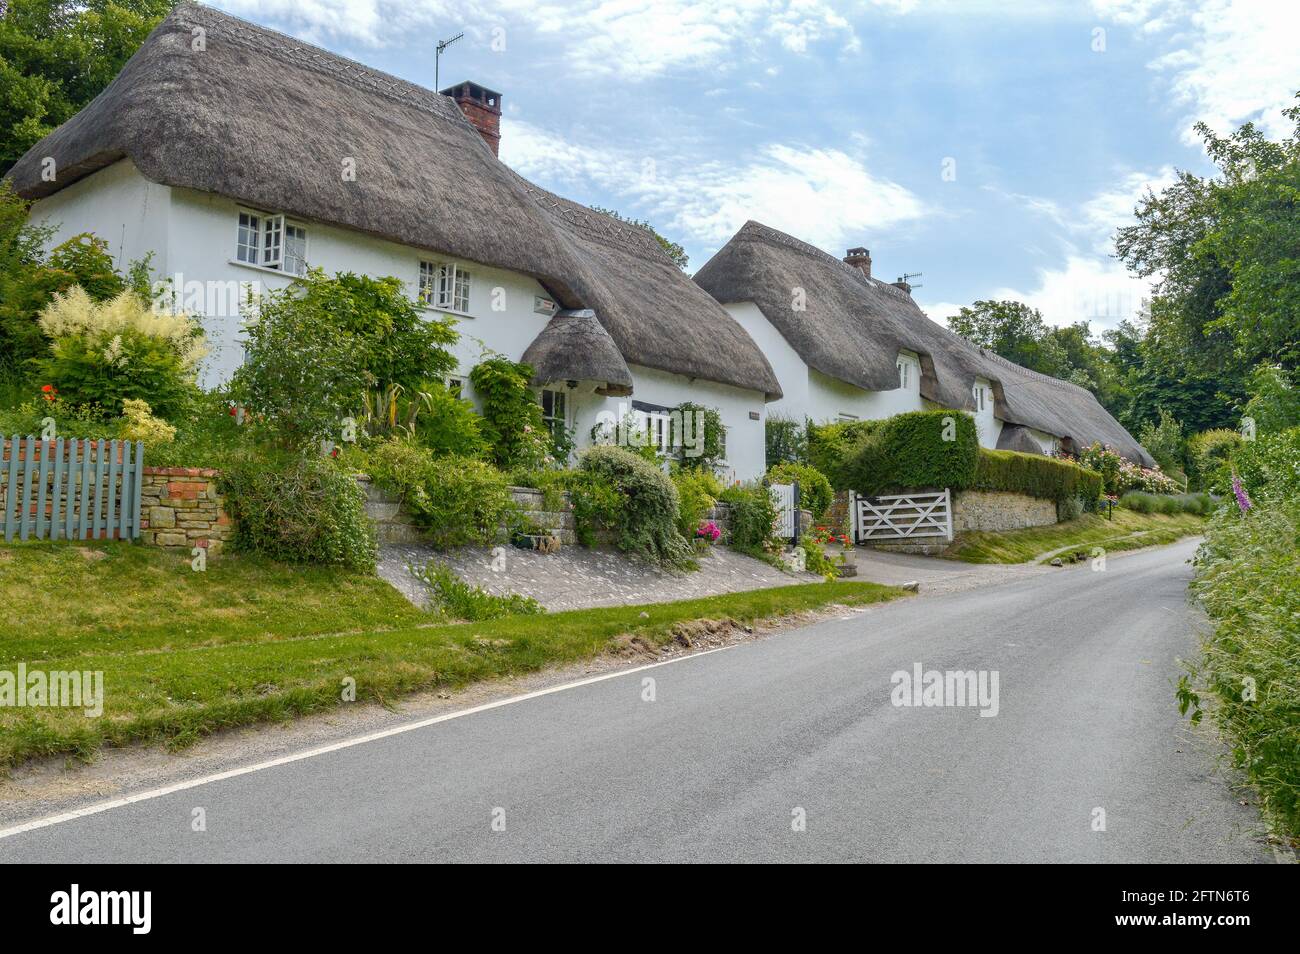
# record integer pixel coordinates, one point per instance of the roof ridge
(770, 234)
(1034, 375)
(317, 59)
(600, 226)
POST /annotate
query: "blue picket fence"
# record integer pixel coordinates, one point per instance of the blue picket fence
(71, 489)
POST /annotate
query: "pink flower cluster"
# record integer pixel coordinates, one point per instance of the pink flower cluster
(708, 531)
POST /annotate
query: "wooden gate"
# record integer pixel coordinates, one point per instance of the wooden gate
(71, 489)
(903, 517)
(786, 498)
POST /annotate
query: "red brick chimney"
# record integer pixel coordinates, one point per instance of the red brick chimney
(482, 107)
(860, 259)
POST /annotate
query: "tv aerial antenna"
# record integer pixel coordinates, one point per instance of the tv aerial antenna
(907, 279)
(437, 57)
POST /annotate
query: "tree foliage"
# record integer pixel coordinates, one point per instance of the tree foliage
(58, 55)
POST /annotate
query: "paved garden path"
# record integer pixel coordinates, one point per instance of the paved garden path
(577, 578)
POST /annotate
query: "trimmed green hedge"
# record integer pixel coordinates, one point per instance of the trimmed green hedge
(913, 451)
(1035, 475)
(934, 449)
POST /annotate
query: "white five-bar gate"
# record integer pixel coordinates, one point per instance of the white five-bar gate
(902, 517)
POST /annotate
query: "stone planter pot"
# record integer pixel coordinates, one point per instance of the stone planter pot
(846, 561)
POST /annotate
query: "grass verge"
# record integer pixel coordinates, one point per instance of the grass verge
(174, 675)
(1128, 530)
(1249, 667)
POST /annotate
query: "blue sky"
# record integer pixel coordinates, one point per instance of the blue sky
(992, 146)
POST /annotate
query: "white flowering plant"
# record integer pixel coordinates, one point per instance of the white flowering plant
(105, 353)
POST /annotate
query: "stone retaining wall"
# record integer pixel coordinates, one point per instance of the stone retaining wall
(393, 526)
(997, 511)
(180, 507)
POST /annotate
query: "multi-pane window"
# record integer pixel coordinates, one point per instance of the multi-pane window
(269, 241)
(902, 374)
(428, 283)
(979, 397)
(455, 385)
(273, 241)
(250, 229)
(444, 286)
(555, 408)
(295, 250)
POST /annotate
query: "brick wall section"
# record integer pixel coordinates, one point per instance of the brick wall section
(180, 507)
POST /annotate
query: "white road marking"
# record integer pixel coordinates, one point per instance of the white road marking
(153, 793)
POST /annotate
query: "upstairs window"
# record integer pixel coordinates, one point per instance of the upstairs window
(269, 241)
(979, 397)
(249, 243)
(903, 369)
(444, 286)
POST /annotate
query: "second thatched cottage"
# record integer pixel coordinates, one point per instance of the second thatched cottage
(236, 155)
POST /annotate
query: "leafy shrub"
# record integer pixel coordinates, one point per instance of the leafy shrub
(106, 353)
(594, 499)
(452, 596)
(1270, 465)
(699, 445)
(398, 343)
(1209, 456)
(786, 440)
(816, 561)
(815, 492)
(830, 447)
(447, 424)
(1120, 475)
(1036, 476)
(1274, 403)
(752, 526)
(697, 492)
(455, 500)
(1164, 441)
(139, 424)
(1246, 573)
(299, 509)
(647, 519)
(920, 449)
(1143, 502)
(512, 419)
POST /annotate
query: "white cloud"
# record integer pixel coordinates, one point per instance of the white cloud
(632, 39)
(1098, 291)
(828, 197)
(1228, 61)
(1108, 210)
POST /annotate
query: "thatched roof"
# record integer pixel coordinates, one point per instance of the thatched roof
(853, 327)
(1015, 437)
(267, 120)
(574, 346)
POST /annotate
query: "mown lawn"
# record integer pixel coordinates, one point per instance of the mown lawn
(1128, 530)
(185, 654)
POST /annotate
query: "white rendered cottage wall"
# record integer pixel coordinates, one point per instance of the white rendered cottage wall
(118, 205)
(809, 393)
(192, 236)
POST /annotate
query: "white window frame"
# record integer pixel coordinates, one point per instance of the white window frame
(844, 417)
(979, 397)
(248, 237)
(903, 368)
(294, 263)
(271, 235)
(444, 286)
(552, 419)
(456, 385)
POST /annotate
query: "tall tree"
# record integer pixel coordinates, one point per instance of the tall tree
(1013, 330)
(57, 55)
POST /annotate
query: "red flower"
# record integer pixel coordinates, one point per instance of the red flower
(47, 388)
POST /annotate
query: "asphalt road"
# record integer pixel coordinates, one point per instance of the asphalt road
(740, 744)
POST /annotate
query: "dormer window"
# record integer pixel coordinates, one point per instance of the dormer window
(979, 397)
(903, 368)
